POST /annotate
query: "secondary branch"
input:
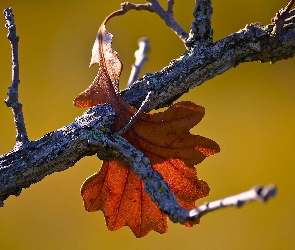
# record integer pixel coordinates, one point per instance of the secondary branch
(12, 99)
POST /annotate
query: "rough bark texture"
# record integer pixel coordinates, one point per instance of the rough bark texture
(56, 151)
(199, 64)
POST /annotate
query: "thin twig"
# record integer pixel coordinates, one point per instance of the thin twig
(168, 17)
(279, 19)
(125, 7)
(170, 6)
(154, 6)
(201, 30)
(254, 194)
(133, 118)
(12, 99)
(140, 58)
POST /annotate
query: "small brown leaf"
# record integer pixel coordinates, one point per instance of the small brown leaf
(118, 192)
(104, 55)
(104, 87)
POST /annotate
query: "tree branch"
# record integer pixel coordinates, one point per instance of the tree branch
(12, 99)
(164, 198)
(201, 30)
(160, 192)
(90, 133)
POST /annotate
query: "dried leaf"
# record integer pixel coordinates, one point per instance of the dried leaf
(104, 87)
(165, 139)
(118, 192)
(166, 134)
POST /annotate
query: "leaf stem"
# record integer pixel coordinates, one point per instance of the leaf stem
(138, 113)
(153, 6)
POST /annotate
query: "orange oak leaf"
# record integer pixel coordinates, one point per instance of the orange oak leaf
(163, 137)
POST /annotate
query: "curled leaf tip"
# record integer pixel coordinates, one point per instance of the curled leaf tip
(104, 88)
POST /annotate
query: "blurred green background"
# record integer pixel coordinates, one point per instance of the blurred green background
(249, 112)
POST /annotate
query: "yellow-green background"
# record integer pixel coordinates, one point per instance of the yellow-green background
(249, 112)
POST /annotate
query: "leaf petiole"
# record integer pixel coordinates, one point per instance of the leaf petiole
(137, 114)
